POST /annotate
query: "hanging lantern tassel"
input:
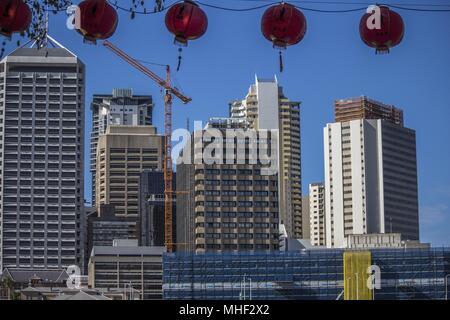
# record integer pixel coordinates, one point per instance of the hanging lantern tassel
(186, 21)
(281, 62)
(180, 51)
(283, 25)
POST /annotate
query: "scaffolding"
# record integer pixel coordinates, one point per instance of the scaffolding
(366, 108)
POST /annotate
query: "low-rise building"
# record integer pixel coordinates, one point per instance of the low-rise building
(20, 278)
(127, 266)
(47, 293)
(380, 240)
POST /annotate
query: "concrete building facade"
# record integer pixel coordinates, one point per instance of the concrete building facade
(41, 158)
(104, 227)
(266, 107)
(230, 206)
(317, 214)
(121, 107)
(370, 180)
(151, 208)
(306, 227)
(123, 152)
(129, 266)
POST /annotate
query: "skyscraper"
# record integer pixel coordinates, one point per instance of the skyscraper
(123, 152)
(317, 214)
(231, 205)
(266, 107)
(305, 217)
(42, 129)
(151, 208)
(119, 108)
(370, 178)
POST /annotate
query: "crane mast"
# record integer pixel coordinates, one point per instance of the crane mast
(167, 165)
(168, 228)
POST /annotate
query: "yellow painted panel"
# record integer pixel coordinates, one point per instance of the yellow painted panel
(356, 264)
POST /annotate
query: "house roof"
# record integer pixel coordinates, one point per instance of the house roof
(127, 251)
(81, 296)
(25, 275)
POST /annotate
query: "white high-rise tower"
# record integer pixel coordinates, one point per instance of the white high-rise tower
(266, 107)
(370, 175)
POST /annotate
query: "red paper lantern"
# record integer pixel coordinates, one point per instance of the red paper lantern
(284, 25)
(187, 21)
(389, 34)
(98, 20)
(15, 16)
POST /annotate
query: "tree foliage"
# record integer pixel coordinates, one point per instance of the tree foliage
(42, 8)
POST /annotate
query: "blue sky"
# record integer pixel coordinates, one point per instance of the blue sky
(330, 63)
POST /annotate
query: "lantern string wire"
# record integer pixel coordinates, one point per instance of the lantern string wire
(401, 7)
(145, 12)
(417, 9)
(237, 9)
(347, 3)
(330, 11)
(429, 7)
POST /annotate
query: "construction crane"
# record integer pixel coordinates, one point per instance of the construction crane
(169, 91)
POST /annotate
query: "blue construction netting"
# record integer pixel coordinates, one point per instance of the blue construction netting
(312, 274)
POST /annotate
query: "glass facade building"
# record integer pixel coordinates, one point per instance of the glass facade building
(302, 275)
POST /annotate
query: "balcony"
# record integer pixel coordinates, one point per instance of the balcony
(199, 219)
(200, 230)
(199, 241)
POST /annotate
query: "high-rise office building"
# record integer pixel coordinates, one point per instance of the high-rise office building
(229, 205)
(266, 107)
(370, 179)
(41, 158)
(151, 208)
(103, 227)
(123, 152)
(306, 232)
(317, 214)
(122, 107)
